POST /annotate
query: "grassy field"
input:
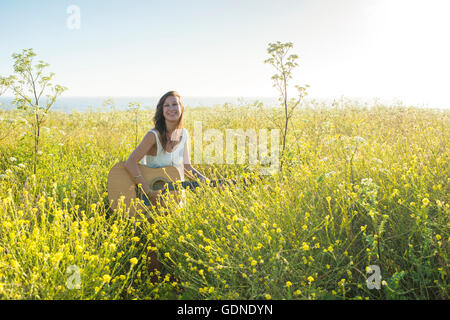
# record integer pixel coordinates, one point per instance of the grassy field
(361, 187)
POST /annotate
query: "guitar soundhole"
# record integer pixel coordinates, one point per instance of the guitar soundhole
(158, 184)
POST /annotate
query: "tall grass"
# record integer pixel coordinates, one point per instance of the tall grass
(361, 186)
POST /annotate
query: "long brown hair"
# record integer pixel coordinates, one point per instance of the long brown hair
(160, 121)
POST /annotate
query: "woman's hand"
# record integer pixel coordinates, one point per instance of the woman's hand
(154, 196)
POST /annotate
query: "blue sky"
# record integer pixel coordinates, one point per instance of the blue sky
(356, 48)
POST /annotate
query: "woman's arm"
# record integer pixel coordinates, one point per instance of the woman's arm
(131, 165)
(191, 172)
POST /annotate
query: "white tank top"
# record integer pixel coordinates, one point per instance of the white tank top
(164, 158)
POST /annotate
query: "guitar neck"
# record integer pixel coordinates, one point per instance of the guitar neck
(195, 184)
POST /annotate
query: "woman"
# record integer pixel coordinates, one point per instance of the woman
(167, 144)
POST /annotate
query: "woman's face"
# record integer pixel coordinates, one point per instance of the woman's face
(171, 109)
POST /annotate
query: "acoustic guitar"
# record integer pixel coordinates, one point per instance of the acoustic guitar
(121, 186)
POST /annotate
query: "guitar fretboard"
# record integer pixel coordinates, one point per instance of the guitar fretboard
(194, 184)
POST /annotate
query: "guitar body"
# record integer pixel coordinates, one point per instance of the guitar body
(120, 184)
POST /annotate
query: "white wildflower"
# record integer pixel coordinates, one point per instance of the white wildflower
(329, 174)
(359, 139)
(12, 159)
(377, 160)
(349, 147)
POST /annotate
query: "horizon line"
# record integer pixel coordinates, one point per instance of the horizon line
(121, 96)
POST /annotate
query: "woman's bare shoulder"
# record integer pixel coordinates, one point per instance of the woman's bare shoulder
(143, 148)
(150, 137)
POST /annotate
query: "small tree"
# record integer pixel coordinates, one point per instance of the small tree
(5, 84)
(284, 66)
(109, 104)
(31, 84)
(134, 107)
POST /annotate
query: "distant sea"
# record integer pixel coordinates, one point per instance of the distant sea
(83, 104)
(97, 104)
